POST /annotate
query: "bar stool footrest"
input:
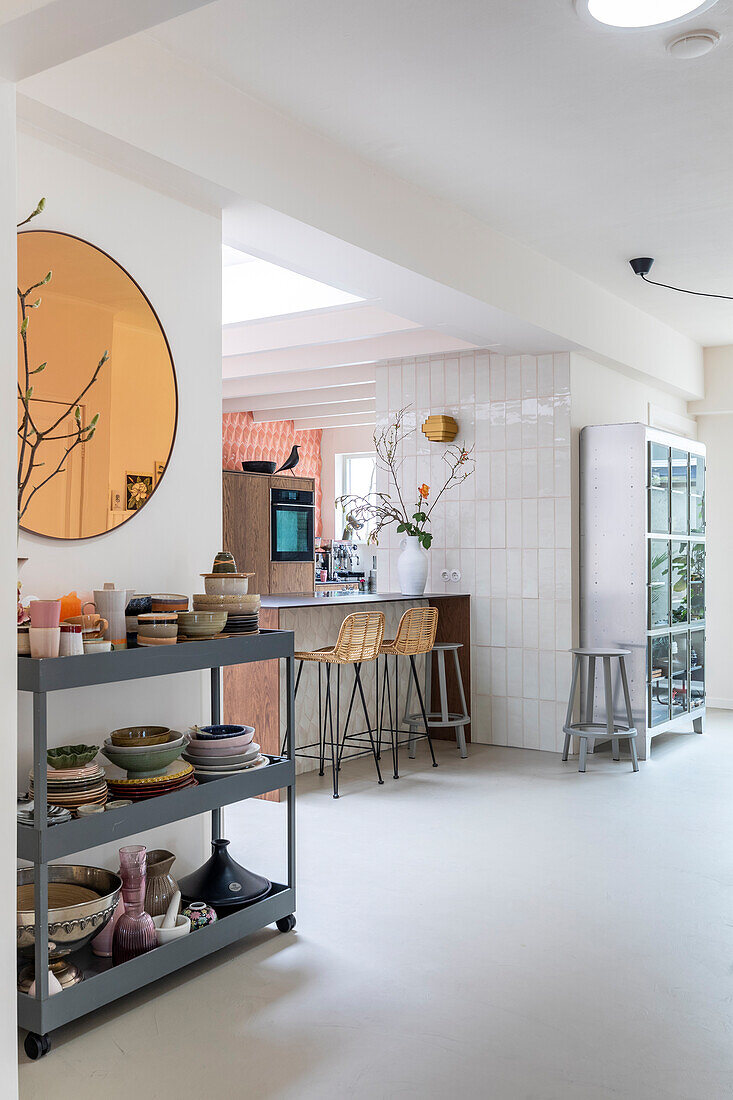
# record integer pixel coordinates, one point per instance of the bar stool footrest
(598, 729)
(435, 718)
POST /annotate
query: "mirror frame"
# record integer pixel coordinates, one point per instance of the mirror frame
(151, 307)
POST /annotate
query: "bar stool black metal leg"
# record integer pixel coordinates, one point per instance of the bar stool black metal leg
(295, 696)
(342, 743)
(385, 682)
(321, 723)
(329, 709)
(422, 709)
(357, 673)
(395, 738)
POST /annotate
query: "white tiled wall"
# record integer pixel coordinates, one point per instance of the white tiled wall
(507, 528)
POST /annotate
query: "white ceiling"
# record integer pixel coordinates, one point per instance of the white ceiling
(588, 144)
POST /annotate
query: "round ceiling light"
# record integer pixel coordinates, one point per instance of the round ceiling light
(636, 14)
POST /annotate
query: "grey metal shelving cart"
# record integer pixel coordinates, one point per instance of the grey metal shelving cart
(41, 844)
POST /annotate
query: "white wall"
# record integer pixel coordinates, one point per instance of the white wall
(335, 441)
(174, 252)
(715, 429)
(507, 530)
(8, 660)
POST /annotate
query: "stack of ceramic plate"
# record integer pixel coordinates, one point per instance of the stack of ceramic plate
(216, 751)
(243, 612)
(174, 778)
(56, 814)
(71, 788)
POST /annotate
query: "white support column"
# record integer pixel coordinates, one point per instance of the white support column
(8, 575)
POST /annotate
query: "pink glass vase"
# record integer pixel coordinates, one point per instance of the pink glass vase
(135, 931)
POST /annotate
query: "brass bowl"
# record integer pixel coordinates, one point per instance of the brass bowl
(81, 900)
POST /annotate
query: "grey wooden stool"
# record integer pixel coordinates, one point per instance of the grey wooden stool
(442, 717)
(588, 730)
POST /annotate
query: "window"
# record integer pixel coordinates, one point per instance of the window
(356, 474)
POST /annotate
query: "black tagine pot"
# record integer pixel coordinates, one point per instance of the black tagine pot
(222, 882)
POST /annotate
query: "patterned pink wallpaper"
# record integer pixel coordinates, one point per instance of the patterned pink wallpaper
(272, 440)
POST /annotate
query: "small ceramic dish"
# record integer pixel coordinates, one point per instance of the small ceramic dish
(244, 605)
(226, 584)
(215, 760)
(97, 645)
(169, 601)
(165, 935)
(133, 736)
(89, 809)
(71, 756)
(118, 804)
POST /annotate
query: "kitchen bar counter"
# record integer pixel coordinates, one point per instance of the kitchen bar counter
(257, 690)
(288, 600)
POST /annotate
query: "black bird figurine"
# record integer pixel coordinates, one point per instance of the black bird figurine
(291, 461)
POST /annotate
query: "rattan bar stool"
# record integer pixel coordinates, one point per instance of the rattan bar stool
(359, 639)
(415, 635)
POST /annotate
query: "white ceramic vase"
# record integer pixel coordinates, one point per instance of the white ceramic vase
(412, 567)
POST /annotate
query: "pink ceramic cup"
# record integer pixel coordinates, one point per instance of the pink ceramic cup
(45, 613)
(44, 641)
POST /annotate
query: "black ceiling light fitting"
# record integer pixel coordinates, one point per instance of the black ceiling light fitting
(642, 265)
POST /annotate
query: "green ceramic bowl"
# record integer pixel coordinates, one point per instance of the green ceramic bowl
(71, 756)
(142, 763)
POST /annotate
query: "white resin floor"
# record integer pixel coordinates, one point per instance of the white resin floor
(501, 927)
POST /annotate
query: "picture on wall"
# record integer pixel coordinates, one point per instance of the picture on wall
(138, 488)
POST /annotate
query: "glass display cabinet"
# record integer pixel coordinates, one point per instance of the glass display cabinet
(642, 568)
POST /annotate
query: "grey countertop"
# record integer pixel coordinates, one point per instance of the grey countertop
(286, 600)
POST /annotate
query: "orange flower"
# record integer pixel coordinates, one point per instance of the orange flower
(423, 490)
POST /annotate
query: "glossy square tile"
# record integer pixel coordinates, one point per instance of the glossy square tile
(452, 387)
(529, 376)
(437, 383)
(497, 377)
(467, 380)
(498, 622)
(499, 730)
(561, 362)
(513, 573)
(530, 674)
(514, 621)
(498, 572)
(530, 623)
(513, 421)
(529, 473)
(483, 524)
(530, 523)
(545, 378)
(530, 573)
(529, 422)
(531, 722)
(514, 681)
(513, 474)
(496, 480)
(547, 674)
(515, 723)
(482, 377)
(513, 377)
(498, 671)
(546, 522)
(497, 522)
(514, 524)
(546, 472)
(545, 422)
(546, 617)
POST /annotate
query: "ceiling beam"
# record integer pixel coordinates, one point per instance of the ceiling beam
(60, 30)
(323, 398)
(305, 423)
(322, 326)
(396, 345)
(328, 378)
(315, 412)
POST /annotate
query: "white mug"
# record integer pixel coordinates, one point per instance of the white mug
(71, 643)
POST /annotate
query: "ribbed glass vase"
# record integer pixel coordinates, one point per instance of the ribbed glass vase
(135, 931)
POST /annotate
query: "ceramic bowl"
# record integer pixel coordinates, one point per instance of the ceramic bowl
(201, 624)
(135, 736)
(97, 645)
(165, 935)
(155, 625)
(226, 584)
(176, 740)
(71, 756)
(217, 733)
(222, 746)
(142, 762)
(248, 604)
(169, 601)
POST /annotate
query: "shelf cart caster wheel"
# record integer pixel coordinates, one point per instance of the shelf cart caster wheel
(286, 924)
(36, 1045)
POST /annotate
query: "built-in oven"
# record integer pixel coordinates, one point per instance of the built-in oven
(291, 525)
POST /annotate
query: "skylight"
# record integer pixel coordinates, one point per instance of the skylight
(644, 13)
(252, 289)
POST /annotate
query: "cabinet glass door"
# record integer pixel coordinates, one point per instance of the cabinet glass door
(658, 583)
(697, 494)
(680, 695)
(658, 488)
(697, 581)
(680, 491)
(679, 579)
(659, 694)
(697, 668)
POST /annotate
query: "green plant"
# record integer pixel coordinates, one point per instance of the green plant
(31, 437)
(381, 508)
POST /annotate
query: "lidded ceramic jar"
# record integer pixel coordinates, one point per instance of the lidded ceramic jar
(200, 914)
(160, 886)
